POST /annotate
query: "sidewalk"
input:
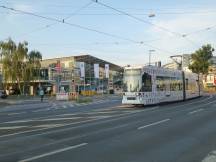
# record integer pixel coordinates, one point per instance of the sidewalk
(19, 100)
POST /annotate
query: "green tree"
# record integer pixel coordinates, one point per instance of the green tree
(18, 64)
(201, 59)
(35, 58)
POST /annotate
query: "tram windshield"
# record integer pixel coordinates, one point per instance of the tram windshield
(132, 80)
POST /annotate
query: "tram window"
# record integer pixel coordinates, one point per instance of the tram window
(146, 83)
(175, 84)
(161, 83)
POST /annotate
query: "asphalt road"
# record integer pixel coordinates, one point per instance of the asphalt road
(106, 131)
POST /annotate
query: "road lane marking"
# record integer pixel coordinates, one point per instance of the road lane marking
(53, 152)
(152, 124)
(48, 125)
(64, 106)
(55, 119)
(30, 131)
(192, 112)
(16, 113)
(47, 109)
(12, 127)
(40, 120)
(85, 121)
(18, 121)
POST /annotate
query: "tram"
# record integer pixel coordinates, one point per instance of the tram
(148, 85)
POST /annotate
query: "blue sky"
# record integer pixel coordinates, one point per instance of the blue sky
(179, 16)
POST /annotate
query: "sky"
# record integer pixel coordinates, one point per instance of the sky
(178, 27)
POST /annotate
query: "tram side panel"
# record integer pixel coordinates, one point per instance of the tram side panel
(169, 86)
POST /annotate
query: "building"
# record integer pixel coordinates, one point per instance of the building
(180, 62)
(64, 74)
(171, 65)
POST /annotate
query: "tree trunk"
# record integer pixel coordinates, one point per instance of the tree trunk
(19, 86)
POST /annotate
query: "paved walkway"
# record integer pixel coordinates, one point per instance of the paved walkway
(84, 100)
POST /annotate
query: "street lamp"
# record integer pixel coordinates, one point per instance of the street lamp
(150, 51)
(151, 15)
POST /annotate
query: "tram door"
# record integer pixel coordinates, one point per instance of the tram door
(167, 87)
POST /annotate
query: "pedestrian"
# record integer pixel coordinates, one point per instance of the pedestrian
(41, 94)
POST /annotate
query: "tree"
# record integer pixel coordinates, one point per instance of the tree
(201, 59)
(18, 64)
(35, 58)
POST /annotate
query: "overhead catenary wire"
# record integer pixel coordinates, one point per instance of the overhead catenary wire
(52, 24)
(146, 22)
(136, 18)
(200, 30)
(118, 14)
(82, 27)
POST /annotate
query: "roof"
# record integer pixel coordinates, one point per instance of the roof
(91, 60)
(88, 59)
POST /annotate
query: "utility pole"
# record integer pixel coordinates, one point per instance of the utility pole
(150, 52)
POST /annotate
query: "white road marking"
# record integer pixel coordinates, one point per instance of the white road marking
(211, 157)
(53, 152)
(64, 106)
(85, 121)
(54, 119)
(71, 105)
(192, 112)
(36, 120)
(16, 113)
(47, 109)
(12, 127)
(18, 121)
(152, 124)
(98, 112)
(48, 125)
(30, 131)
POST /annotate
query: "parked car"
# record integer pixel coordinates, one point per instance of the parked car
(3, 94)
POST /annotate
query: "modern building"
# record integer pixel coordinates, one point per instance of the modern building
(64, 74)
(171, 65)
(180, 62)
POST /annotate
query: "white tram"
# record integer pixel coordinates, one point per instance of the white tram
(149, 85)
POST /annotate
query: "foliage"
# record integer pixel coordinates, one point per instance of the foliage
(201, 59)
(18, 64)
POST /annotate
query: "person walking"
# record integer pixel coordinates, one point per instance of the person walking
(41, 94)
